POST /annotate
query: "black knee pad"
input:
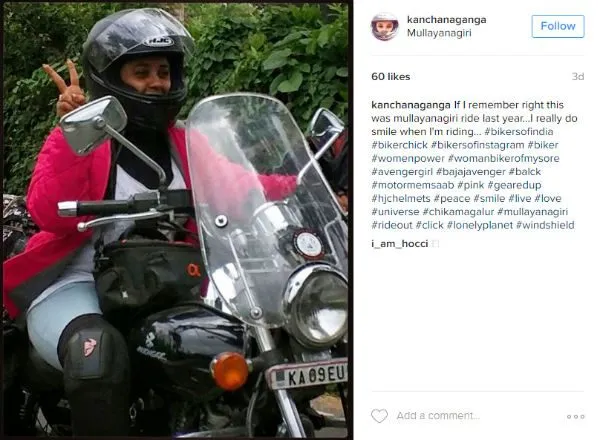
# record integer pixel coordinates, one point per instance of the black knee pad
(95, 361)
(93, 351)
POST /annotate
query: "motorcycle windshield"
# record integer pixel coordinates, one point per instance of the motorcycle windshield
(263, 205)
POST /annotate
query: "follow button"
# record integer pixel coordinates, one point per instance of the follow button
(557, 26)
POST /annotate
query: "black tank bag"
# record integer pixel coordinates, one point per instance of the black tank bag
(146, 271)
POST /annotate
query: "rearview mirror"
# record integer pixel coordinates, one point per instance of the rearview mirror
(324, 127)
(323, 130)
(86, 127)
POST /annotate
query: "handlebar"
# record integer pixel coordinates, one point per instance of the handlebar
(144, 206)
(179, 201)
(108, 207)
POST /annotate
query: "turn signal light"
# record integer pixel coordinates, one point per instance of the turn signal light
(229, 370)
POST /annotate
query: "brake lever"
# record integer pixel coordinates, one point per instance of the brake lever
(153, 213)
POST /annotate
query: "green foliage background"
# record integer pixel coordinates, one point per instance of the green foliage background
(299, 54)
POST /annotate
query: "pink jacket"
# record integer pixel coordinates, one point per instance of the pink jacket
(60, 175)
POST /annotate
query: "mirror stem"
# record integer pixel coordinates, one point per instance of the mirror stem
(328, 145)
(162, 176)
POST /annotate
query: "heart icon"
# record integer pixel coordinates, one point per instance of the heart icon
(379, 415)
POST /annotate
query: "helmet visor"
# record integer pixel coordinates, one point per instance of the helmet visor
(152, 28)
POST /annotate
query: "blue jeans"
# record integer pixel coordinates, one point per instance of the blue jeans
(47, 319)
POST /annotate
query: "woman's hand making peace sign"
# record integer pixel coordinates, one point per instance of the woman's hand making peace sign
(70, 97)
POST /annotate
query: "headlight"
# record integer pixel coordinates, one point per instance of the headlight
(316, 306)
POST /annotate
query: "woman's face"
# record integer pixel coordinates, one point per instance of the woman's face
(384, 27)
(148, 75)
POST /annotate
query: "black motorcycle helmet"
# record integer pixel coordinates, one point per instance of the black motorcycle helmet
(131, 33)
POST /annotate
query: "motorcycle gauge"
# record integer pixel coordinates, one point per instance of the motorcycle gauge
(308, 244)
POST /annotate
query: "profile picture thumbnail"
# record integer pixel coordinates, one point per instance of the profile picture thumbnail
(384, 26)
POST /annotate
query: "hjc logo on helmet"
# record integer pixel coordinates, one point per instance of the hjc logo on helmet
(159, 42)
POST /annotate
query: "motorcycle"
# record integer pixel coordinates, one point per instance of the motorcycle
(266, 337)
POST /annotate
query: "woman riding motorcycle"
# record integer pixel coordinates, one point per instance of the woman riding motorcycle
(138, 57)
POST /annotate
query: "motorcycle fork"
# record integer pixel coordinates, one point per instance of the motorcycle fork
(286, 405)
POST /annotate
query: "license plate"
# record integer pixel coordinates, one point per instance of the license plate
(309, 374)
